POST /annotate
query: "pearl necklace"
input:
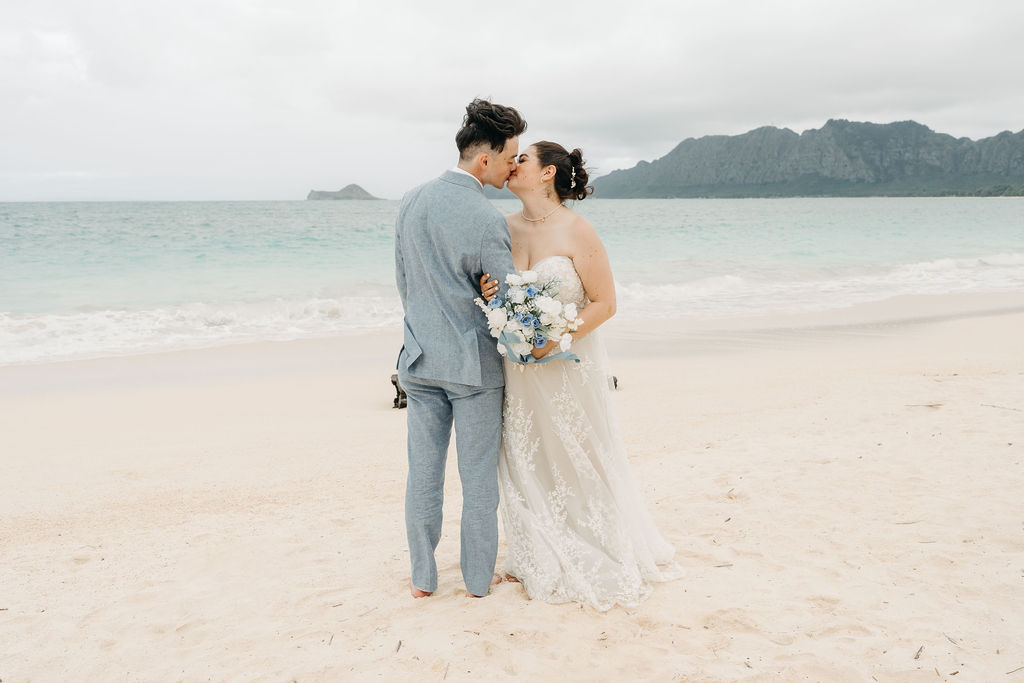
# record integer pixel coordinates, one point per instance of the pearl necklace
(544, 217)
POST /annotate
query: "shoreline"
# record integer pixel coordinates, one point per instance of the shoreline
(657, 336)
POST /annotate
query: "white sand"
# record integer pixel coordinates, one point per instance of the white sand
(843, 497)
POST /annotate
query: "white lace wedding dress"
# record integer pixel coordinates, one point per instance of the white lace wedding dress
(574, 520)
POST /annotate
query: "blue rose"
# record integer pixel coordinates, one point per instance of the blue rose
(494, 303)
(535, 323)
(518, 317)
(529, 321)
(539, 340)
(531, 291)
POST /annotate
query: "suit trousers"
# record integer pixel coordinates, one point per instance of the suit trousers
(433, 406)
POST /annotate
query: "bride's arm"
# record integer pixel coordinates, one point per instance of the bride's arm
(591, 261)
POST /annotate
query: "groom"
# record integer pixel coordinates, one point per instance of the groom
(446, 237)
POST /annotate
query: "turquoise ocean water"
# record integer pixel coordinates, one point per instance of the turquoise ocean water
(81, 280)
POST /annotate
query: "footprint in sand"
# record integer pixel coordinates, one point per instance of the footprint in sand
(824, 603)
(731, 620)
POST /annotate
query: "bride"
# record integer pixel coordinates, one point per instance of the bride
(574, 520)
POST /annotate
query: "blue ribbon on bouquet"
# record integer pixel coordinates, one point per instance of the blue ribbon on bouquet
(506, 339)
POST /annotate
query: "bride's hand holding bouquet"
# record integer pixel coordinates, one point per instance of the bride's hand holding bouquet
(530, 322)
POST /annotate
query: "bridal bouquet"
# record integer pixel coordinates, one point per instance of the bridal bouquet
(531, 316)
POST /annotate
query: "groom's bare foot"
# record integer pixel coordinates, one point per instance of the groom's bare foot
(495, 580)
(417, 593)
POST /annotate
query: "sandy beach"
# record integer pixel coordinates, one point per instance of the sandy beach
(843, 490)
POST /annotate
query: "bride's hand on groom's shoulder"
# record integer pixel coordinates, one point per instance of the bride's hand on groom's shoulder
(488, 287)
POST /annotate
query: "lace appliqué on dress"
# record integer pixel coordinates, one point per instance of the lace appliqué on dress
(574, 520)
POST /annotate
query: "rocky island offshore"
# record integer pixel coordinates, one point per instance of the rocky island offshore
(842, 158)
(347, 192)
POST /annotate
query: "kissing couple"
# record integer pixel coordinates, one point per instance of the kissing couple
(541, 438)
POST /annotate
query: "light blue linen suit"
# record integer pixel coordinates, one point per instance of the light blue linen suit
(446, 237)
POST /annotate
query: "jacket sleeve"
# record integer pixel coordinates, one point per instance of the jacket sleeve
(496, 254)
(400, 279)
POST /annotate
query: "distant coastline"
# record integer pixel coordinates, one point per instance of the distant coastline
(348, 192)
(841, 159)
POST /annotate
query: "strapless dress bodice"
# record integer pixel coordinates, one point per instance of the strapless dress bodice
(570, 287)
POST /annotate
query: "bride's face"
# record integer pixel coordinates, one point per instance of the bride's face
(528, 174)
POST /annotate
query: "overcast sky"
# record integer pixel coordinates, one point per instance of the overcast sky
(221, 99)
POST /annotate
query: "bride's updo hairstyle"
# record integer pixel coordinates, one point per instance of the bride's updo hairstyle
(570, 175)
(489, 124)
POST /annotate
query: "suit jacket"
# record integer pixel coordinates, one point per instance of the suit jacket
(446, 237)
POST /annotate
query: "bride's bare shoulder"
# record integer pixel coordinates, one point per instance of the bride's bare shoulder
(581, 228)
(584, 240)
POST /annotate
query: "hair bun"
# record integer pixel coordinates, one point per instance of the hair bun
(571, 176)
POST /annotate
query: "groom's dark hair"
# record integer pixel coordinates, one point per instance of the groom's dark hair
(490, 124)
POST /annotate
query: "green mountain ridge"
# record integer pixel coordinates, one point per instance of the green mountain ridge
(842, 158)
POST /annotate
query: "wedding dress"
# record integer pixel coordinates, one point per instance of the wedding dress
(574, 520)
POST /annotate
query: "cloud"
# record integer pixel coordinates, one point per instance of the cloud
(268, 99)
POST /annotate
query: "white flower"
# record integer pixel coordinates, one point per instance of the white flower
(528, 277)
(565, 342)
(514, 280)
(517, 295)
(501, 349)
(570, 311)
(548, 305)
(522, 349)
(496, 319)
(547, 319)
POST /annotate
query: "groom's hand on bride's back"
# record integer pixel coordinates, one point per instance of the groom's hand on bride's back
(488, 287)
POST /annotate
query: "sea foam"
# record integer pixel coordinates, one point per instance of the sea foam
(107, 332)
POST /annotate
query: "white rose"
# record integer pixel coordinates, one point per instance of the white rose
(528, 277)
(522, 349)
(496, 318)
(547, 319)
(565, 342)
(517, 295)
(501, 349)
(570, 311)
(548, 305)
(514, 280)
